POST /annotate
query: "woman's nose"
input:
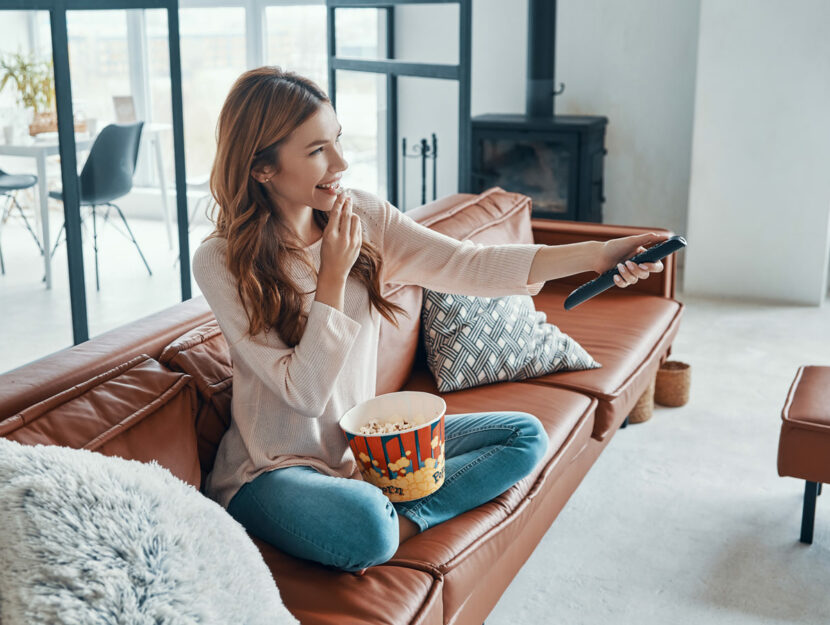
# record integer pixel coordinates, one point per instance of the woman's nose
(340, 163)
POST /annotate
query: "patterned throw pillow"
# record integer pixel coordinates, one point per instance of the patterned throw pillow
(472, 341)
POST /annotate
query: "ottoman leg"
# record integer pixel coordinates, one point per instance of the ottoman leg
(808, 516)
(819, 489)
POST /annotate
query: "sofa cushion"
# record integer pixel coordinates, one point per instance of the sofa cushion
(461, 548)
(203, 354)
(92, 539)
(387, 594)
(472, 341)
(494, 216)
(398, 345)
(138, 410)
(628, 333)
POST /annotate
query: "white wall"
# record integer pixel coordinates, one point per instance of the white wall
(633, 62)
(760, 184)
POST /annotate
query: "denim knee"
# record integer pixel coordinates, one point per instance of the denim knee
(532, 437)
(375, 535)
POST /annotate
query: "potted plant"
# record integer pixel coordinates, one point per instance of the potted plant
(35, 88)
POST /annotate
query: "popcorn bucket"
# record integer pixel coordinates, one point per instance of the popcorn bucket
(408, 464)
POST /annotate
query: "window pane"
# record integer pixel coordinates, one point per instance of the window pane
(213, 57)
(297, 40)
(436, 23)
(36, 321)
(361, 110)
(203, 93)
(129, 231)
(427, 106)
(358, 33)
(361, 33)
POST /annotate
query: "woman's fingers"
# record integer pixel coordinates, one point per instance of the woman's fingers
(629, 272)
(655, 267)
(346, 218)
(334, 216)
(357, 230)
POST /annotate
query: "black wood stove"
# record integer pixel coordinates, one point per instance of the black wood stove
(557, 160)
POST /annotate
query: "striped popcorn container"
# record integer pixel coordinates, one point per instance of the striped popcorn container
(407, 464)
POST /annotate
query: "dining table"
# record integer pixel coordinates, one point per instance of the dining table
(41, 147)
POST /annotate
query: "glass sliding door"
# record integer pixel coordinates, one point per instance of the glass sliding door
(88, 242)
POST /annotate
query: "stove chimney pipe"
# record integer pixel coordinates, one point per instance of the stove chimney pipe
(541, 40)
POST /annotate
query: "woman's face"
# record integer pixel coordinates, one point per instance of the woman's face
(310, 157)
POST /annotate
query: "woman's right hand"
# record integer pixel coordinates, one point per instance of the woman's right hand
(342, 238)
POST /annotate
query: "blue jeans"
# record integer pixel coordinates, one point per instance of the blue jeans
(351, 525)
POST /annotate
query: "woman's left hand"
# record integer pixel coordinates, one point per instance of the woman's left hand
(616, 252)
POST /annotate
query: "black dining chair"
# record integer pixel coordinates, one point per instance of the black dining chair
(108, 175)
(9, 186)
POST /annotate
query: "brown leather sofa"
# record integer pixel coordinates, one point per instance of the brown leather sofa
(159, 388)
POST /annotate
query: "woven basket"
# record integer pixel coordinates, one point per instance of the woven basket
(644, 407)
(673, 381)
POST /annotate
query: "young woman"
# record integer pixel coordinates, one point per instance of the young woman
(293, 273)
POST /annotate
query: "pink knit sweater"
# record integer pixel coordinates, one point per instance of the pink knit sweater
(287, 401)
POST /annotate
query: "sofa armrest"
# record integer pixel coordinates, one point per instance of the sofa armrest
(559, 232)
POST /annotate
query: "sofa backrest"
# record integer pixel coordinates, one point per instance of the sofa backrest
(203, 354)
(138, 410)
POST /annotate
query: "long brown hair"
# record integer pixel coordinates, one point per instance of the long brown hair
(263, 108)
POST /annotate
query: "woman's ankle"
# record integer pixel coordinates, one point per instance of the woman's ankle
(407, 528)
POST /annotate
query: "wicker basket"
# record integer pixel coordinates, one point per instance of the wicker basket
(673, 381)
(644, 407)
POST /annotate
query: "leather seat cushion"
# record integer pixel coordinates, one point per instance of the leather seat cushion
(138, 410)
(804, 442)
(385, 594)
(627, 334)
(203, 354)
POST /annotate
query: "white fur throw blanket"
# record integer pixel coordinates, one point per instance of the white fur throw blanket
(86, 538)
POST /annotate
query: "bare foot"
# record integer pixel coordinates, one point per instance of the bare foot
(407, 528)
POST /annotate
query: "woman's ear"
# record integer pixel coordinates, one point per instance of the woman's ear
(263, 174)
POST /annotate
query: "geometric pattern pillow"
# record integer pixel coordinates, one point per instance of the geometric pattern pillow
(472, 341)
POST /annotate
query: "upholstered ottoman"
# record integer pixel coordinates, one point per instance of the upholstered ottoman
(804, 443)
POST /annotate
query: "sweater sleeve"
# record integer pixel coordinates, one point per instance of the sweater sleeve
(415, 254)
(304, 375)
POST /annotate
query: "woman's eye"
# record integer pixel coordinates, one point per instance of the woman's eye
(320, 149)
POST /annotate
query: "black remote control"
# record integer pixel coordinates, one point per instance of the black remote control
(605, 281)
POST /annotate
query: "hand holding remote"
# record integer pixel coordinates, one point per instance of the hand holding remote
(606, 280)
